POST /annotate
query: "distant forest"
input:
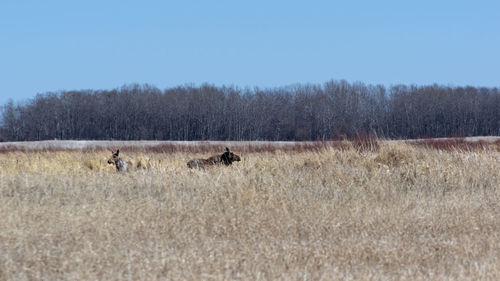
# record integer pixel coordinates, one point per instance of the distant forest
(334, 110)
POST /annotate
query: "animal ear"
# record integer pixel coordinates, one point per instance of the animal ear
(117, 152)
(227, 149)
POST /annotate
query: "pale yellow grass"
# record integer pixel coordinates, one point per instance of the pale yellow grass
(399, 213)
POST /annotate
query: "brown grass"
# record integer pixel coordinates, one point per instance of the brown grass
(388, 211)
(453, 144)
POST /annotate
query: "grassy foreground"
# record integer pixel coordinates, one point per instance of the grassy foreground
(393, 212)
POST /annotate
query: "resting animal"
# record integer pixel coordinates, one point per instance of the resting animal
(227, 158)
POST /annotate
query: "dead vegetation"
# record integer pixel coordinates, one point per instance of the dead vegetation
(365, 211)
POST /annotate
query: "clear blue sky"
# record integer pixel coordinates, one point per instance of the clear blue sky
(65, 45)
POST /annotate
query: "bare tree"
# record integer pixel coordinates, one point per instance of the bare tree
(333, 110)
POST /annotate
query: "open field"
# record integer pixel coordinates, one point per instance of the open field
(100, 145)
(373, 210)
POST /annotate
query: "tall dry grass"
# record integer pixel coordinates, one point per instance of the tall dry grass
(392, 211)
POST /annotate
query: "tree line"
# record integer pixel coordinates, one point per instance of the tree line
(333, 110)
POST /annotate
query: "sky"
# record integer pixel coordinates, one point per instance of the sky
(50, 46)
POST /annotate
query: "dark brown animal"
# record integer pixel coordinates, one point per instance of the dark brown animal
(227, 158)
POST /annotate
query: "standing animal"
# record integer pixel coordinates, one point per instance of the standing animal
(227, 158)
(120, 164)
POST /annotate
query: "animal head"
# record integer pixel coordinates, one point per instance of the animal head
(228, 157)
(114, 157)
(120, 164)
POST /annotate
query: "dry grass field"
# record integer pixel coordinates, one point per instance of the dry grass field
(384, 211)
